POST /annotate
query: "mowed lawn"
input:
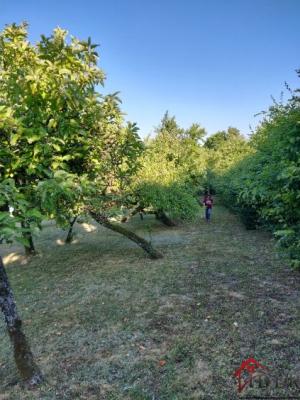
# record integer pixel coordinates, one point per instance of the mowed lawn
(106, 322)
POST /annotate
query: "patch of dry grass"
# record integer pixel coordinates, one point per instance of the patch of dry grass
(106, 322)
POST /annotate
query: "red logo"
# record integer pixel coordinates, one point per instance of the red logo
(248, 371)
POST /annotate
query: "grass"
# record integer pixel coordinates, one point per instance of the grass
(106, 322)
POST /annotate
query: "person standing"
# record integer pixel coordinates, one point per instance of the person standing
(208, 204)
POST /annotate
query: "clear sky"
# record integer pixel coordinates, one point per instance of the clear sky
(215, 62)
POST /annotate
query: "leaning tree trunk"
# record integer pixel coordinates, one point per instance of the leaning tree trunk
(69, 237)
(159, 214)
(28, 369)
(29, 248)
(103, 220)
(137, 210)
(162, 216)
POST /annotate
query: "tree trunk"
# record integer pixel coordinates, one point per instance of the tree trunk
(4, 208)
(162, 216)
(29, 249)
(103, 220)
(69, 237)
(159, 214)
(29, 371)
(136, 210)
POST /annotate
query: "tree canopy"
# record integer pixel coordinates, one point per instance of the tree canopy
(173, 167)
(263, 185)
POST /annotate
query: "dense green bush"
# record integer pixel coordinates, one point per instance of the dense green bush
(264, 187)
(172, 171)
(176, 199)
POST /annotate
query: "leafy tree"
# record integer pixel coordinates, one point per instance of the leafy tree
(227, 154)
(217, 139)
(66, 191)
(264, 185)
(195, 133)
(214, 141)
(10, 230)
(45, 92)
(54, 120)
(224, 149)
(172, 169)
(64, 149)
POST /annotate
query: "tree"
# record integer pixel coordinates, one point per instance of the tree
(57, 134)
(214, 141)
(195, 133)
(54, 120)
(217, 139)
(173, 166)
(11, 230)
(66, 192)
(224, 149)
(263, 185)
(45, 91)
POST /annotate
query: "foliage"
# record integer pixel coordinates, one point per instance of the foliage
(217, 139)
(267, 181)
(224, 149)
(113, 149)
(62, 197)
(173, 167)
(11, 227)
(65, 147)
(47, 102)
(176, 199)
(54, 124)
(47, 107)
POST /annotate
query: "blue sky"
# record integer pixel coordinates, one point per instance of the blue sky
(215, 62)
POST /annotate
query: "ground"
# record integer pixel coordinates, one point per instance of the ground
(106, 322)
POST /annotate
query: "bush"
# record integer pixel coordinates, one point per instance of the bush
(264, 187)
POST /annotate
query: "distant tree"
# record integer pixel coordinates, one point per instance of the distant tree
(195, 133)
(172, 169)
(217, 139)
(233, 133)
(224, 149)
(168, 126)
